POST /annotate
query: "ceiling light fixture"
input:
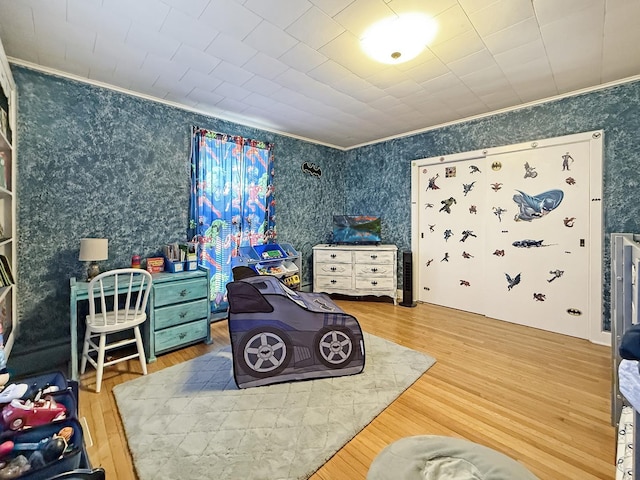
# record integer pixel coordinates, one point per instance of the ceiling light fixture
(400, 38)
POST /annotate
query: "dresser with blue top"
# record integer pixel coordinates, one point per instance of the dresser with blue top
(178, 312)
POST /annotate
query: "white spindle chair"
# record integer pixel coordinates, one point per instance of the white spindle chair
(117, 302)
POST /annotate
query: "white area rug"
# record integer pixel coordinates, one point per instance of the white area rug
(191, 421)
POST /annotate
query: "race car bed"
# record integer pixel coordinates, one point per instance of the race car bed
(278, 335)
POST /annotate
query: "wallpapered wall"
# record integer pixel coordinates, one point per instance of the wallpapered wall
(94, 162)
(98, 163)
(378, 176)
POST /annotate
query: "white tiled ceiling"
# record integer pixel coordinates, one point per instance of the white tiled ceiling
(295, 66)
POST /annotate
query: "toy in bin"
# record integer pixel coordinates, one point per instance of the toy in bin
(26, 413)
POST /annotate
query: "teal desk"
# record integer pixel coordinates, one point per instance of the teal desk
(178, 313)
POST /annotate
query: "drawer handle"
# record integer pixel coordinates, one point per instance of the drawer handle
(374, 270)
(333, 269)
(333, 255)
(374, 283)
(334, 281)
(183, 314)
(183, 292)
(182, 335)
(373, 257)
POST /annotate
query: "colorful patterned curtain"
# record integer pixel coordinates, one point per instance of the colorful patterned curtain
(232, 202)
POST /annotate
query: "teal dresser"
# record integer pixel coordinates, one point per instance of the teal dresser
(178, 312)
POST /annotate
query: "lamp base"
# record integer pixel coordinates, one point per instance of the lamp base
(92, 271)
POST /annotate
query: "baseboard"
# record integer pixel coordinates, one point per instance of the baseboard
(44, 357)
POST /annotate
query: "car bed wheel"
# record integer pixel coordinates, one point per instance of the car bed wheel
(335, 347)
(16, 424)
(265, 352)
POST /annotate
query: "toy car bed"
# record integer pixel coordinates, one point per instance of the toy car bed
(278, 335)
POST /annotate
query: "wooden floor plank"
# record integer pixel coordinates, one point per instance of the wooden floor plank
(539, 397)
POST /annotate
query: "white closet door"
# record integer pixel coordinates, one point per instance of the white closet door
(450, 262)
(538, 238)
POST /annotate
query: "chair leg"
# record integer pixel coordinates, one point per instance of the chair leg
(143, 360)
(101, 354)
(85, 350)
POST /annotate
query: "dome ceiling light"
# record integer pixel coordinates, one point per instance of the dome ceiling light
(398, 39)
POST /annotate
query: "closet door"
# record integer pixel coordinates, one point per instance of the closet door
(451, 248)
(537, 268)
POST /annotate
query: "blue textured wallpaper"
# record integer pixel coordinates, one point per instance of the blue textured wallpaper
(94, 162)
(378, 177)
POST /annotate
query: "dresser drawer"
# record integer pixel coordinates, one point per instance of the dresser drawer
(370, 283)
(181, 335)
(375, 257)
(332, 256)
(333, 269)
(373, 270)
(325, 282)
(170, 292)
(181, 313)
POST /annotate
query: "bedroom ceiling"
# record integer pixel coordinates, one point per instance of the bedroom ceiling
(296, 67)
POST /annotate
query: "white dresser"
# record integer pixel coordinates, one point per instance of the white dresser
(355, 269)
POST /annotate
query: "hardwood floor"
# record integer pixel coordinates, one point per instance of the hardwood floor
(539, 397)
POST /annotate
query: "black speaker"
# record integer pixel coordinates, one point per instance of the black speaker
(407, 280)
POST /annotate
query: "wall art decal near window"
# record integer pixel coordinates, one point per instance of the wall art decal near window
(432, 183)
(467, 187)
(570, 181)
(498, 211)
(569, 221)
(466, 234)
(450, 172)
(446, 204)
(447, 234)
(496, 186)
(536, 206)
(499, 253)
(473, 209)
(529, 171)
(556, 274)
(474, 169)
(528, 243)
(565, 161)
(465, 283)
(539, 297)
(512, 282)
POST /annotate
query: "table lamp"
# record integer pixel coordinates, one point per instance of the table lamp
(93, 250)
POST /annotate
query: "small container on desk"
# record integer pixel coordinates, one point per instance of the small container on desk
(173, 266)
(155, 264)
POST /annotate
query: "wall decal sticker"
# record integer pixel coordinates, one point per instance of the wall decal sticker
(428, 205)
(499, 253)
(474, 169)
(466, 255)
(569, 221)
(311, 169)
(465, 283)
(495, 166)
(496, 186)
(429, 262)
(556, 274)
(539, 297)
(536, 206)
(446, 204)
(512, 282)
(574, 311)
(466, 234)
(473, 209)
(466, 187)
(450, 172)
(529, 171)
(498, 211)
(565, 161)
(432, 183)
(528, 243)
(446, 257)
(447, 234)
(570, 181)
(432, 228)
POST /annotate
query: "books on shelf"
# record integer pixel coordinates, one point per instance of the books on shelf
(6, 275)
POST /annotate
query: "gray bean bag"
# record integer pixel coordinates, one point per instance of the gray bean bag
(431, 457)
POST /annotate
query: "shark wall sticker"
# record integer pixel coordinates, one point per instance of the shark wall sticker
(532, 207)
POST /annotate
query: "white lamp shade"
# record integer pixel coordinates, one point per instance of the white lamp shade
(94, 249)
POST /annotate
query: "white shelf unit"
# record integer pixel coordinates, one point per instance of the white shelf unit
(8, 159)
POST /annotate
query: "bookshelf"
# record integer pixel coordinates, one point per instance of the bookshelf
(8, 158)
